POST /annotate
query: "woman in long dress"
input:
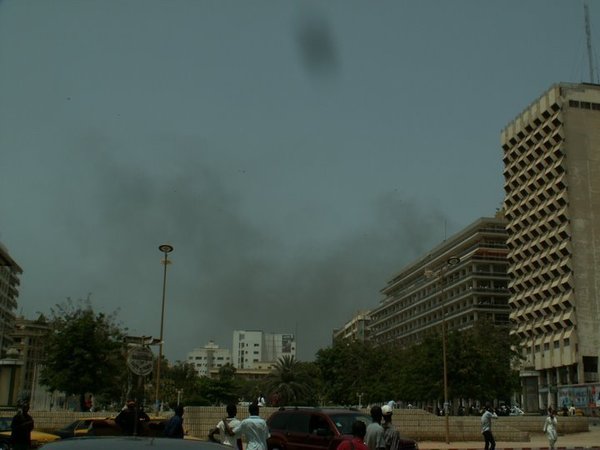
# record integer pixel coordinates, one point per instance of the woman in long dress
(550, 428)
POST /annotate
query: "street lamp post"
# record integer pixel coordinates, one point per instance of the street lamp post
(452, 261)
(166, 249)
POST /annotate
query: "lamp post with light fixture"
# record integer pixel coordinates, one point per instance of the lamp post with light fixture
(166, 249)
(450, 262)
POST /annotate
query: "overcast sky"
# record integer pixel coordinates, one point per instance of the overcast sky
(295, 154)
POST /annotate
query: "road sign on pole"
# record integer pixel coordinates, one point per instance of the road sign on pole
(140, 360)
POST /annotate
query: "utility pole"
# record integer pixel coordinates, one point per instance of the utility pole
(588, 35)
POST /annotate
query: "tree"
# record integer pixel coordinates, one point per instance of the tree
(85, 352)
(352, 369)
(289, 382)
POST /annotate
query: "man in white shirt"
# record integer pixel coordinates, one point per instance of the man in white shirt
(233, 422)
(253, 428)
(486, 427)
(374, 438)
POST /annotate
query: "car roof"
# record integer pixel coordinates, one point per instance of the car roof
(131, 443)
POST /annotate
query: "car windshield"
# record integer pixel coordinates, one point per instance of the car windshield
(344, 422)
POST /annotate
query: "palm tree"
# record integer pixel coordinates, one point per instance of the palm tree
(288, 381)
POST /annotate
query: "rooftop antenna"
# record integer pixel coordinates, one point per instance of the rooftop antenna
(588, 34)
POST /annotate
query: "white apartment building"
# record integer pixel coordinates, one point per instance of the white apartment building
(209, 358)
(251, 349)
(552, 203)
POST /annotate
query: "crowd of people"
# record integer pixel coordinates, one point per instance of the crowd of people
(380, 434)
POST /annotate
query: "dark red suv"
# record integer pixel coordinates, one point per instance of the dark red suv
(297, 428)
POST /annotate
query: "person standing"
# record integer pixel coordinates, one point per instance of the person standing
(261, 400)
(391, 436)
(254, 428)
(174, 427)
(550, 428)
(359, 429)
(486, 427)
(126, 418)
(233, 422)
(374, 435)
(21, 426)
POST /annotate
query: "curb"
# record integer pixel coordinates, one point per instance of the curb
(517, 448)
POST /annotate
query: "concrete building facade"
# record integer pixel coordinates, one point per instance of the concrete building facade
(252, 348)
(552, 204)
(9, 292)
(356, 329)
(209, 359)
(463, 280)
(29, 340)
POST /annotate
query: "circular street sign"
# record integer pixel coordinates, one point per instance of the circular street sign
(165, 248)
(140, 360)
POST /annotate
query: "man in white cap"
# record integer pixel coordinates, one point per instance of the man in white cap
(390, 434)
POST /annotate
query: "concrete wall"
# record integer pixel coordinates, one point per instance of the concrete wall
(415, 424)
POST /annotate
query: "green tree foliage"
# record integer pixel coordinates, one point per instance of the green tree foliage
(480, 361)
(290, 383)
(85, 352)
(225, 389)
(352, 368)
(181, 380)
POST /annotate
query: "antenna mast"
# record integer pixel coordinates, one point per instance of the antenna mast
(588, 34)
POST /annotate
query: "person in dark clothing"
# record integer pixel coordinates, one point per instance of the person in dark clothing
(126, 418)
(21, 426)
(174, 427)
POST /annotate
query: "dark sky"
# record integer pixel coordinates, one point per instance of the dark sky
(295, 154)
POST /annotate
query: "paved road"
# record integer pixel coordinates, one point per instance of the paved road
(585, 440)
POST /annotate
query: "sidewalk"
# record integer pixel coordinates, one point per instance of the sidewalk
(585, 440)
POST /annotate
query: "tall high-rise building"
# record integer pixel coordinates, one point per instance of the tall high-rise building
(461, 281)
(552, 204)
(252, 348)
(9, 292)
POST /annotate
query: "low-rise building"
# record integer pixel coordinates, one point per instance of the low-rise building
(209, 359)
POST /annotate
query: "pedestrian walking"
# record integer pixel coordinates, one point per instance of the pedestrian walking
(174, 427)
(359, 429)
(550, 428)
(233, 422)
(21, 426)
(254, 428)
(486, 427)
(374, 435)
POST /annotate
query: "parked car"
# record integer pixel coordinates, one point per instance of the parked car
(298, 428)
(38, 438)
(106, 426)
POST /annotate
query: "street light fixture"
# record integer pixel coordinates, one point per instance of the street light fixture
(450, 262)
(166, 249)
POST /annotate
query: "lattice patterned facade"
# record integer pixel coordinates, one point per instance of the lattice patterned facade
(9, 292)
(552, 204)
(475, 288)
